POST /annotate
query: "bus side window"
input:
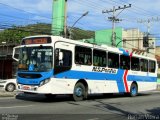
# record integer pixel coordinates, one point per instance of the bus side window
(124, 62)
(113, 60)
(66, 57)
(83, 55)
(99, 58)
(135, 64)
(144, 65)
(152, 66)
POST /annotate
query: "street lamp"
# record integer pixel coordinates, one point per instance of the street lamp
(3, 43)
(84, 14)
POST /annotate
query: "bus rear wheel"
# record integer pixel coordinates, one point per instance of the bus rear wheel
(79, 92)
(133, 90)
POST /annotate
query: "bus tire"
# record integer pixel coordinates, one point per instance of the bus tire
(79, 92)
(133, 90)
(50, 96)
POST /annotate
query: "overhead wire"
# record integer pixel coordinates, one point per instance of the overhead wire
(24, 10)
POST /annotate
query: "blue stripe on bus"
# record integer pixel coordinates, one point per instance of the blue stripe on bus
(124, 52)
(103, 76)
(72, 74)
(141, 78)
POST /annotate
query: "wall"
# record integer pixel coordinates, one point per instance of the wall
(105, 37)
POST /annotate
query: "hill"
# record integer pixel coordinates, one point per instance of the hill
(16, 33)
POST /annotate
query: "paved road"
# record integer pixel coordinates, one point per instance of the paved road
(96, 108)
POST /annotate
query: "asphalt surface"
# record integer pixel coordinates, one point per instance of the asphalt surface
(31, 107)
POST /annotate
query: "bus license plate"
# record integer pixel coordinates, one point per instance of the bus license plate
(26, 87)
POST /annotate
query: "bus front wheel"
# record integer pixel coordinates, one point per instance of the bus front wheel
(79, 92)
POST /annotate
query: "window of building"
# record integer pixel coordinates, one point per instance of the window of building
(99, 58)
(113, 60)
(135, 64)
(144, 65)
(124, 62)
(152, 66)
(83, 55)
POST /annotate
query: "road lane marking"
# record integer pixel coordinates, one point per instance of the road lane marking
(16, 106)
(94, 119)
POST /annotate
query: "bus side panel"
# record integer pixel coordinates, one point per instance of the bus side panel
(146, 86)
(145, 81)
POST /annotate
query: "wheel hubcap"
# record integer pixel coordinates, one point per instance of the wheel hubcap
(10, 88)
(78, 92)
(134, 91)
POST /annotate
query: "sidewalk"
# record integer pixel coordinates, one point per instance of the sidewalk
(158, 86)
(7, 94)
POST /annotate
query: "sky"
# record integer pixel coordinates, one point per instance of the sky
(23, 12)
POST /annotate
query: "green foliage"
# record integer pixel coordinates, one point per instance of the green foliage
(15, 34)
(12, 36)
(78, 34)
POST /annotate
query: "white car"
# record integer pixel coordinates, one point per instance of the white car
(8, 85)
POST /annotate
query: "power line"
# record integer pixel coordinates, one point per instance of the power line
(135, 9)
(23, 10)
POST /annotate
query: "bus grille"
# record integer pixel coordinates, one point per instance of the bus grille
(29, 76)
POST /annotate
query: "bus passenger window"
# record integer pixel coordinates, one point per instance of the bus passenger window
(152, 66)
(113, 60)
(99, 58)
(124, 62)
(83, 55)
(144, 65)
(135, 64)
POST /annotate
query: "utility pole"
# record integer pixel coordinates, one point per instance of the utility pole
(114, 19)
(65, 20)
(148, 22)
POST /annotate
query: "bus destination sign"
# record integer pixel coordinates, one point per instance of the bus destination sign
(42, 40)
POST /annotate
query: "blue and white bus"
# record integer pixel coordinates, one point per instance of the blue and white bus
(54, 65)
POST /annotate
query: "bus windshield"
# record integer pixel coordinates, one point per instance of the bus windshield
(39, 58)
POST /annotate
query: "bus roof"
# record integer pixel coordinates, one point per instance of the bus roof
(102, 47)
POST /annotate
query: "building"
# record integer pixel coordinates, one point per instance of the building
(135, 39)
(7, 64)
(158, 57)
(132, 40)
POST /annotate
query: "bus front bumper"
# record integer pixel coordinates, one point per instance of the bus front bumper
(33, 89)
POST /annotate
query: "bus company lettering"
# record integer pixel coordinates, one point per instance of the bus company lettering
(103, 69)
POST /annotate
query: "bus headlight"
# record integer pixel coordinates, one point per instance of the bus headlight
(44, 81)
